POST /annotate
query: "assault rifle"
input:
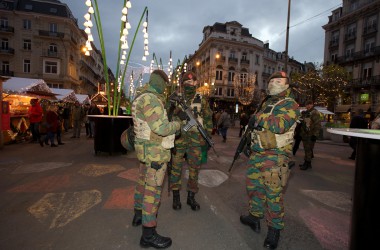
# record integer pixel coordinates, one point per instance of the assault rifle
(243, 145)
(192, 121)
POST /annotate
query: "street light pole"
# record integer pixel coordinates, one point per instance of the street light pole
(287, 39)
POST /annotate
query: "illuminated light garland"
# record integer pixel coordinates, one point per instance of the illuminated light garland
(123, 56)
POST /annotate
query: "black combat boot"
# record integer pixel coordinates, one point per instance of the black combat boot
(224, 138)
(305, 165)
(192, 202)
(176, 200)
(252, 221)
(137, 218)
(271, 241)
(150, 238)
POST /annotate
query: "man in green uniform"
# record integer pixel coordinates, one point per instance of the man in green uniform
(310, 129)
(273, 128)
(154, 137)
(189, 143)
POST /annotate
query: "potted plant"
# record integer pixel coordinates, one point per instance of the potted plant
(111, 125)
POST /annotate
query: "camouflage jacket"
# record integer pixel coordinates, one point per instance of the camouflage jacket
(311, 123)
(193, 137)
(284, 115)
(150, 108)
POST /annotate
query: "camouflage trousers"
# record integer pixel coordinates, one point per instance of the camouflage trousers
(147, 198)
(308, 146)
(264, 200)
(193, 159)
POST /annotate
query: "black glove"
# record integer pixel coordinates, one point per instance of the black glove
(182, 115)
(313, 138)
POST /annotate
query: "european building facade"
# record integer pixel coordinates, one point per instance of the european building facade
(228, 49)
(352, 40)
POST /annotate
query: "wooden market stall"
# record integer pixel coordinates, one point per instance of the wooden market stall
(17, 93)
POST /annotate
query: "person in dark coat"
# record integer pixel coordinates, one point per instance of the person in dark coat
(358, 121)
(243, 122)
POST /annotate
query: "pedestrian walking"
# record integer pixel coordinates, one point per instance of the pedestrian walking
(224, 123)
(310, 129)
(188, 144)
(272, 128)
(94, 110)
(52, 123)
(154, 137)
(35, 117)
(358, 121)
(78, 115)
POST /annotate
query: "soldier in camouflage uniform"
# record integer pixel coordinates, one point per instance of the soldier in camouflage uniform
(188, 144)
(273, 128)
(311, 126)
(154, 137)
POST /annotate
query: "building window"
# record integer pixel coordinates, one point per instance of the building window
(257, 59)
(5, 66)
(3, 22)
(230, 92)
(51, 67)
(27, 44)
(218, 91)
(350, 51)
(26, 66)
(244, 56)
(351, 30)
(232, 54)
(334, 57)
(219, 74)
(367, 71)
(53, 27)
(53, 47)
(4, 44)
(28, 7)
(243, 77)
(369, 45)
(231, 75)
(27, 24)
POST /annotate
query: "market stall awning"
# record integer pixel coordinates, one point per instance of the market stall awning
(82, 98)
(342, 108)
(66, 95)
(28, 86)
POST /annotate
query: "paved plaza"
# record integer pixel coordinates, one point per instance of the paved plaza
(69, 198)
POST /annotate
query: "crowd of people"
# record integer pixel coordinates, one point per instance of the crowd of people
(47, 124)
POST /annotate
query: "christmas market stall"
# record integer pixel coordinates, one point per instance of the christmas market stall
(17, 93)
(82, 99)
(64, 95)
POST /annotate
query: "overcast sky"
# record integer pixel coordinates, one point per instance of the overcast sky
(176, 25)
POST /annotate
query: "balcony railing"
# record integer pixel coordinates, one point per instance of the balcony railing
(7, 29)
(349, 37)
(363, 82)
(370, 29)
(50, 53)
(51, 34)
(7, 51)
(334, 43)
(6, 73)
(242, 61)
